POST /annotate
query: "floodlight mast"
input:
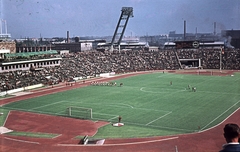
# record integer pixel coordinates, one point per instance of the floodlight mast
(127, 12)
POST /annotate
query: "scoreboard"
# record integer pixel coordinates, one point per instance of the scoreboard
(187, 44)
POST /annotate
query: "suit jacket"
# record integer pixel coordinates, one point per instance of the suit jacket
(231, 148)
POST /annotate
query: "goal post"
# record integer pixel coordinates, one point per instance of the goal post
(79, 112)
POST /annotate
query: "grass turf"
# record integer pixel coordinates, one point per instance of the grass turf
(30, 134)
(149, 104)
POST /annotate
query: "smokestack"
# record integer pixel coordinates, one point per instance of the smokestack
(214, 32)
(0, 26)
(196, 32)
(68, 41)
(184, 29)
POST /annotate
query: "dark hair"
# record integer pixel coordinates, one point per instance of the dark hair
(231, 131)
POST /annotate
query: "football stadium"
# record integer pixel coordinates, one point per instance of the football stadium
(157, 107)
(167, 93)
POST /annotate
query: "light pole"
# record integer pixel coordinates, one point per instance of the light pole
(221, 52)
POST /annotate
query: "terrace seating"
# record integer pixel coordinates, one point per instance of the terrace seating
(82, 64)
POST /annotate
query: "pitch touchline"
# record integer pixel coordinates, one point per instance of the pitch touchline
(221, 114)
(159, 118)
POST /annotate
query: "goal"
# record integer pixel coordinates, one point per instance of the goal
(79, 112)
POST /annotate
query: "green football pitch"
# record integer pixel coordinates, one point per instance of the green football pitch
(148, 104)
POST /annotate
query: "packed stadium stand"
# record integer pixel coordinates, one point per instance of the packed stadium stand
(91, 63)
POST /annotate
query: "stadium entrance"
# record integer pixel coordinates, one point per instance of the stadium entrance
(190, 63)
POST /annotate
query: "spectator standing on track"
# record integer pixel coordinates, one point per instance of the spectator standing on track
(232, 135)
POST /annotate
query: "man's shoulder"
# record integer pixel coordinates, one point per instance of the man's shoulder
(231, 148)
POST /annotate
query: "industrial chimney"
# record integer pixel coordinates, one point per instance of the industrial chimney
(68, 40)
(184, 30)
(214, 31)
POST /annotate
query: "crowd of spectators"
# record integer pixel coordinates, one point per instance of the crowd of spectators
(210, 58)
(92, 63)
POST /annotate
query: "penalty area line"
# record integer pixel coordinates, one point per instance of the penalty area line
(113, 118)
(48, 105)
(159, 118)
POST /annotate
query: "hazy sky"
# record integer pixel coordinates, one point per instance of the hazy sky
(51, 18)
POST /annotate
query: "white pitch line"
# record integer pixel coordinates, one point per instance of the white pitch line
(103, 114)
(162, 127)
(31, 142)
(158, 118)
(220, 115)
(47, 105)
(125, 105)
(112, 118)
(152, 110)
(220, 122)
(6, 117)
(133, 143)
(120, 105)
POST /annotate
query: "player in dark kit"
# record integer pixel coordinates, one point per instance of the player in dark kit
(194, 89)
(119, 119)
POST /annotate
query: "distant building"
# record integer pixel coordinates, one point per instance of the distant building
(7, 47)
(82, 45)
(29, 60)
(173, 36)
(72, 47)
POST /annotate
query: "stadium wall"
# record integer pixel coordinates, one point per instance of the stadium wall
(20, 89)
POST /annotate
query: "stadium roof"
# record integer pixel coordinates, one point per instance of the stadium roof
(28, 54)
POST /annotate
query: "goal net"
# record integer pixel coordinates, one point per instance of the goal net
(79, 112)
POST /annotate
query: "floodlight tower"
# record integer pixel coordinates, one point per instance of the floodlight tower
(4, 35)
(127, 12)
